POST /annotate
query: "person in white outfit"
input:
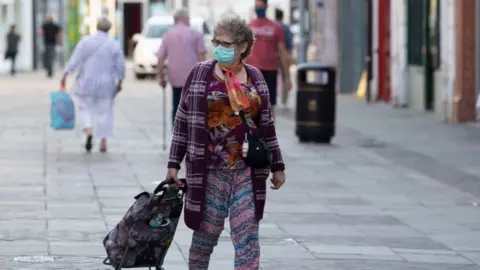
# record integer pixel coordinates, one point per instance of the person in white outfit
(101, 69)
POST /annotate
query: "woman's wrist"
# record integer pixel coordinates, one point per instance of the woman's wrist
(173, 165)
(277, 167)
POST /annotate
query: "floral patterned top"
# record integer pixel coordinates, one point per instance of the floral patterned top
(226, 130)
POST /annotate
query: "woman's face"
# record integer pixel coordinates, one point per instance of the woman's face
(224, 40)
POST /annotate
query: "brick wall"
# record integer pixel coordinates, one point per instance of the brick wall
(465, 94)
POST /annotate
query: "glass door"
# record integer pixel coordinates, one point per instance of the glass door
(432, 50)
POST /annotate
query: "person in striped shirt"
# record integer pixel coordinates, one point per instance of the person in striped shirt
(100, 63)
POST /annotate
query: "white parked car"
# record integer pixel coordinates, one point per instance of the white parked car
(148, 42)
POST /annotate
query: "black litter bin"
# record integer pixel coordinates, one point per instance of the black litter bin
(316, 103)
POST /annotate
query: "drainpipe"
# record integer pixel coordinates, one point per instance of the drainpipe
(34, 33)
(477, 54)
(368, 55)
(302, 54)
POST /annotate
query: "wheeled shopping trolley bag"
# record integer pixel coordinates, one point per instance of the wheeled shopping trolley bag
(143, 236)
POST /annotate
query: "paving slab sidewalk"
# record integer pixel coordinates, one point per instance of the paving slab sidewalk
(345, 206)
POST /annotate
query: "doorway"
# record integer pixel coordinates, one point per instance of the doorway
(368, 47)
(351, 43)
(132, 24)
(431, 50)
(384, 88)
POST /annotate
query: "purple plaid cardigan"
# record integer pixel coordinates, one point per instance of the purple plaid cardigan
(190, 139)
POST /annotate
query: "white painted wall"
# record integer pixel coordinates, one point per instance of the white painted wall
(398, 45)
(6, 19)
(446, 82)
(25, 27)
(444, 77)
(415, 87)
(96, 11)
(214, 9)
(20, 13)
(330, 44)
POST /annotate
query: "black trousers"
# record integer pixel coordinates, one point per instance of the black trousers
(271, 77)
(13, 57)
(49, 59)
(177, 93)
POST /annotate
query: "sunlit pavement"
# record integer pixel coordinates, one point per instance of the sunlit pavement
(396, 190)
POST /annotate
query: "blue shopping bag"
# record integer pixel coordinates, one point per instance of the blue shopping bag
(62, 111)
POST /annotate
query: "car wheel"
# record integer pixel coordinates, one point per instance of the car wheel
(139, 76)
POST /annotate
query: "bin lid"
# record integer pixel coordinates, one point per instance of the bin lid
(314, 66)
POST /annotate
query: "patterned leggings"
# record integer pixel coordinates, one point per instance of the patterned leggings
(227, 191)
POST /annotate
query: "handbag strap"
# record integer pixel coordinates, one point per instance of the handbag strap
(93, 54)
(244, 123)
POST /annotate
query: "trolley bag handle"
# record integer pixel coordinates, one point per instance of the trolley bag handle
(170, 181)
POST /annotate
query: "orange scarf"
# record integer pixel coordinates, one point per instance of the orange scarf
(238, 99)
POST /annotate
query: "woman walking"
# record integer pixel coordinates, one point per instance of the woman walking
(209, 131)
(101, 66)
(13, 40)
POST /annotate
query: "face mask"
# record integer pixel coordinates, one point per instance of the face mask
(260, 12)
(224, 56)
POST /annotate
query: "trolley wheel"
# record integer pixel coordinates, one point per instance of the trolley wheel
(303, 139)
(140, 76)
(324, 140)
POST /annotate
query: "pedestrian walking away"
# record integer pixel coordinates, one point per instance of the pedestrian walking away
(52, 36)
(284, 91)
(183, 47)
(101, 69)
(13, 40)
(270, 42)
(222, 101)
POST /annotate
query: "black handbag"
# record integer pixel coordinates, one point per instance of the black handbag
(258, 155)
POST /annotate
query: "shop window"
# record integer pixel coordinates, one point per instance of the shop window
(422, 14)
(415, 31)
(4, 14)
(434, 25)
(3, 24)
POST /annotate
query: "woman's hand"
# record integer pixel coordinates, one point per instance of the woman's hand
(163, 82)
(119, 88)
(288, 84)
(173, 174)
(63, 83)
(278, 180)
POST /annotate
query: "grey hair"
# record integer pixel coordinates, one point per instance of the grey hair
(237, 29)
(180, 14)
(103, 24)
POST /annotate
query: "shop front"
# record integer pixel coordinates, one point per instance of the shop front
(18, 12)
(42, 9)
(7, 17)
(132, 16)
(127, 17)
(82, 16)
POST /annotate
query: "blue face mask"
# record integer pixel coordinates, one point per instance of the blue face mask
(224, 56)
(261, 12)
